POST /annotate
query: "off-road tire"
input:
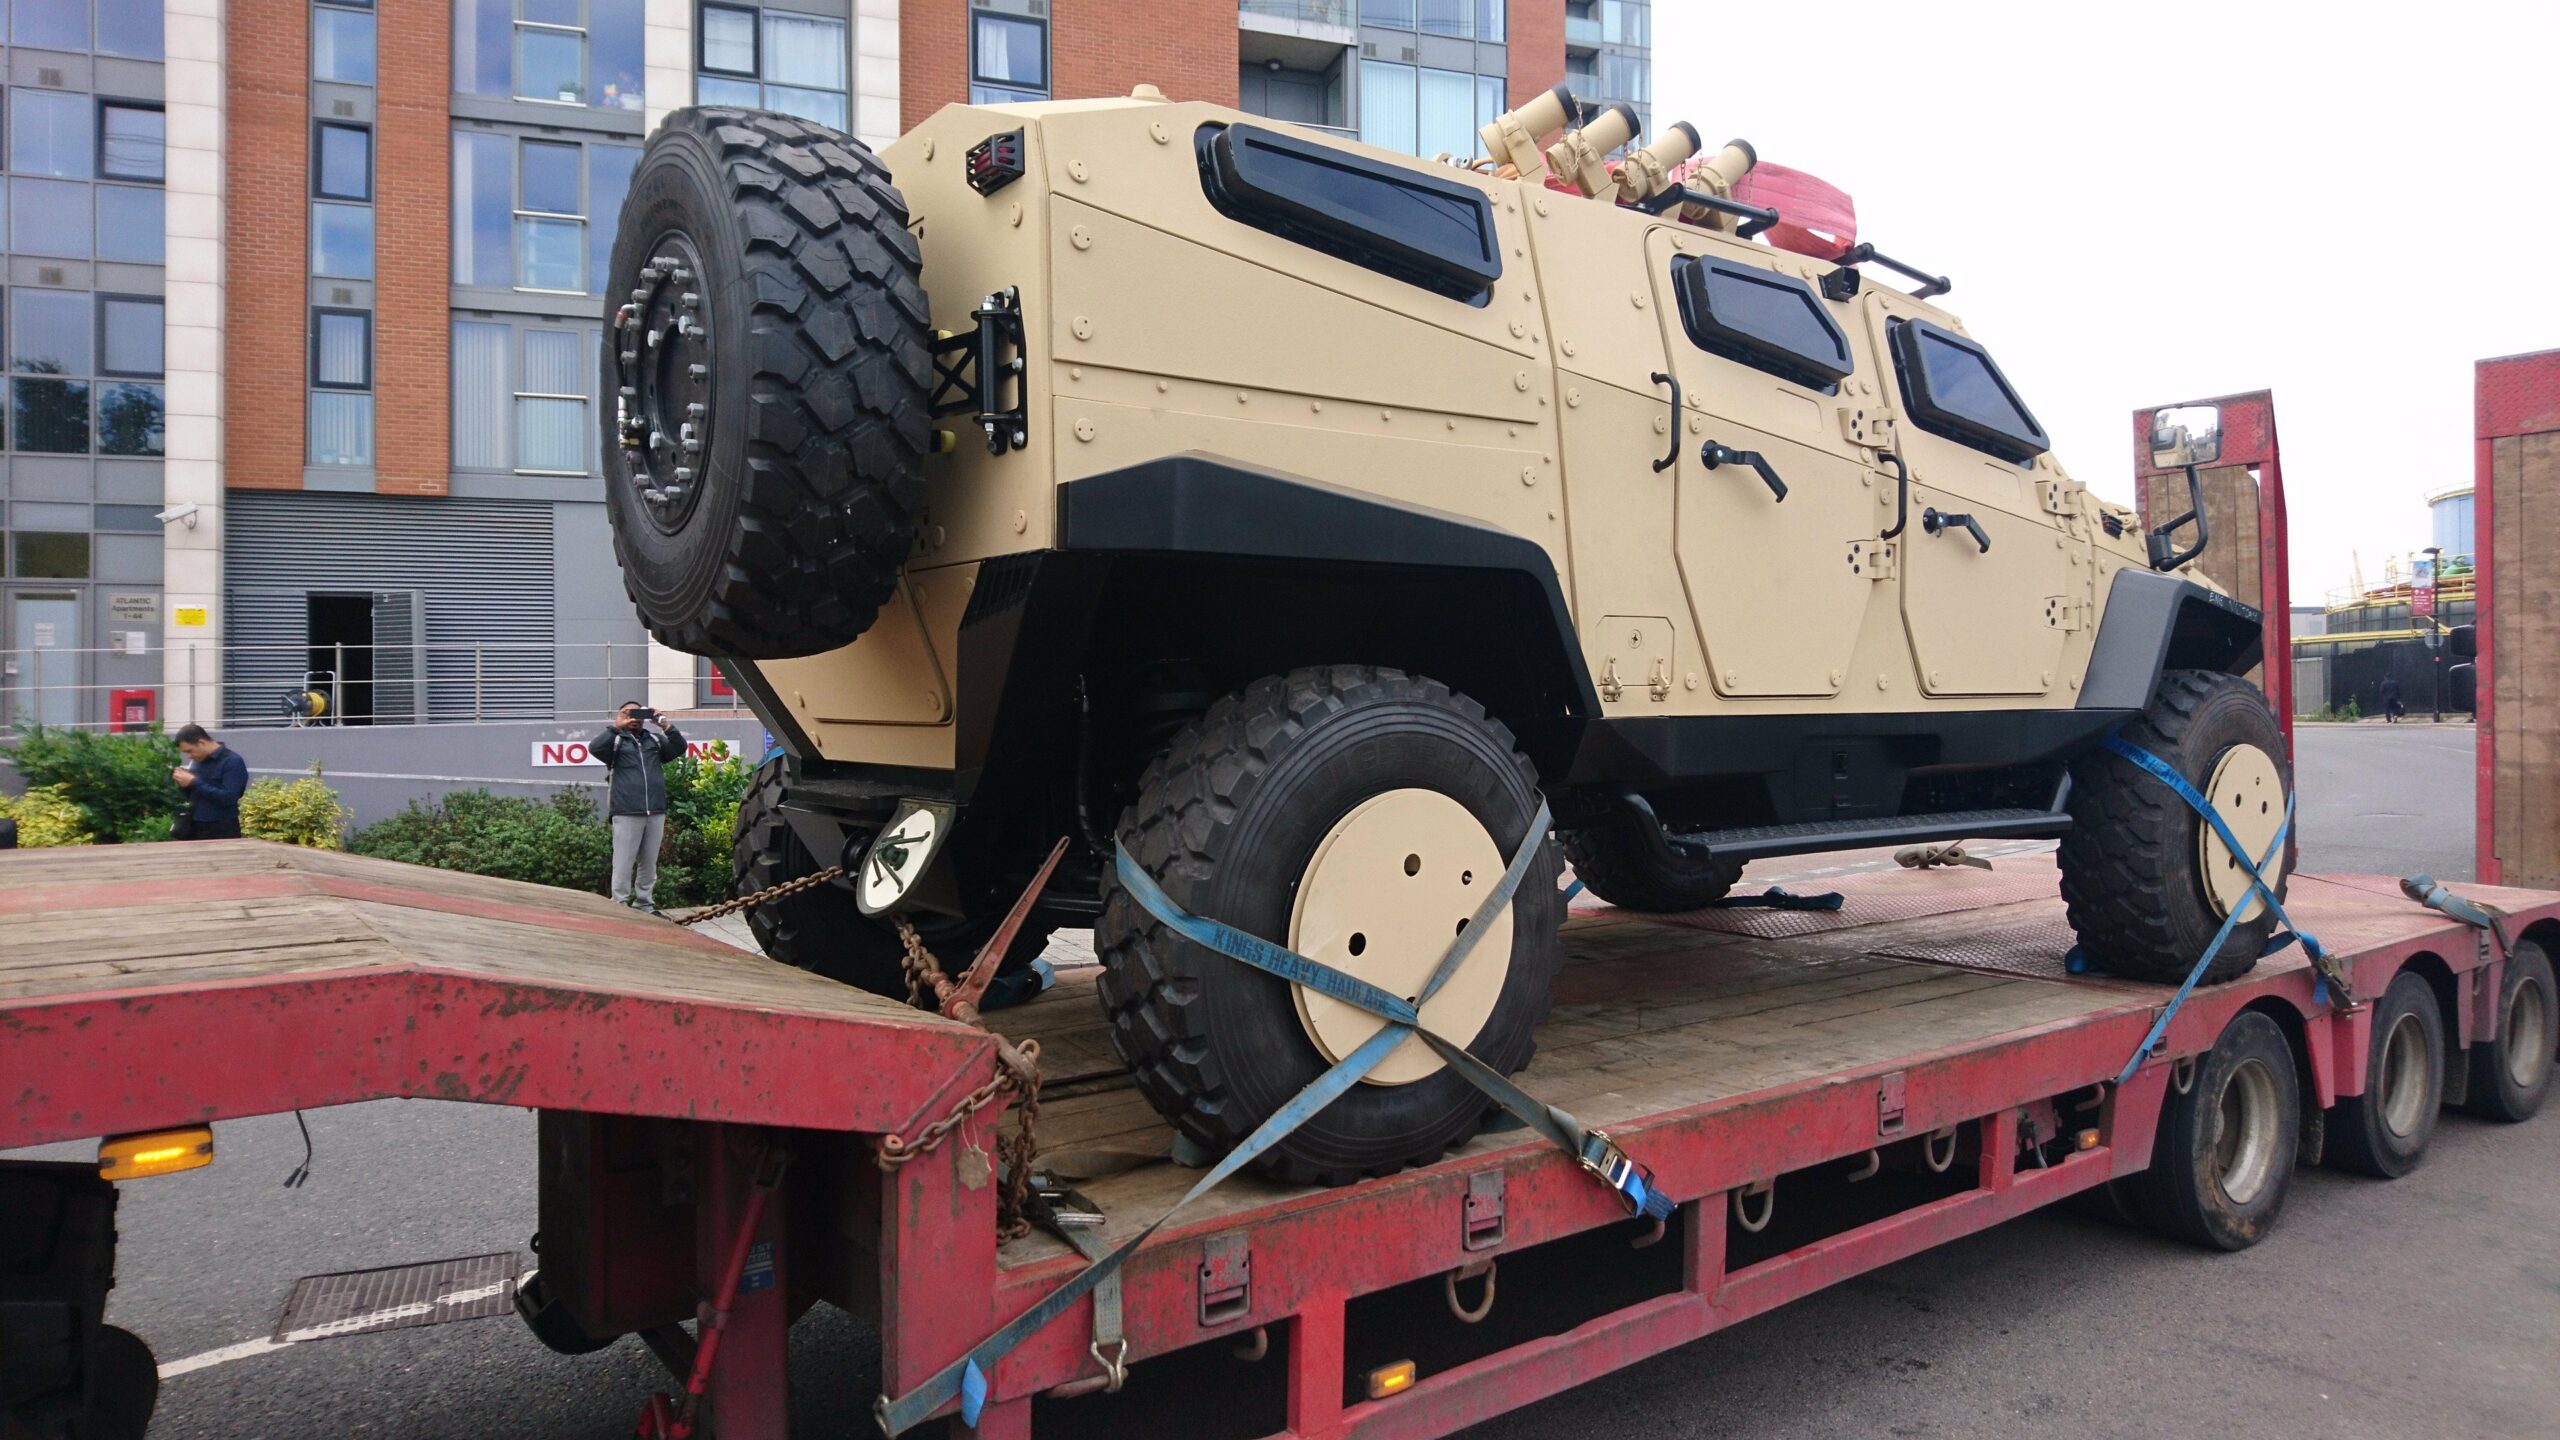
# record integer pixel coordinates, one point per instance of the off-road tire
(2130, 873)
(816, 392)
(1616, 861)
(822, 930)
(2496, 1093)
(2360, 1136)
(2182, 1194)
(1226, 820)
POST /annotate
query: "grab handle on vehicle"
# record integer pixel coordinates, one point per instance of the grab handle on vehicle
(1901, 493)
(2162, 556)
(1672, 456)
(1714, 455)
(1934, 520)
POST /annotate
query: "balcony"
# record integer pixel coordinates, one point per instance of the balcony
(1300, 34)
(1582, 33)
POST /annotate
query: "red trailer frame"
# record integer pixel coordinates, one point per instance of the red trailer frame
(2512, 396)
(726, 1054)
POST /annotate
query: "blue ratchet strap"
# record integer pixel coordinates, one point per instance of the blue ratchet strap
(2160, 770)
(2428, 891)
(967, 1379)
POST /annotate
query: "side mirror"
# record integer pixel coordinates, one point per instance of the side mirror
(2464, 682)
(2463, 641)
(2186, 435)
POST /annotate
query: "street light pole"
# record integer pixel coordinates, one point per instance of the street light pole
(2435, 637)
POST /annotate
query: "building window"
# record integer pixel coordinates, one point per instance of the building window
(342, 45)
(132, 416)
(132, 224)
(551, 409)
(49, 133)
(767, 59)
(521, 397)
(521, 209)
(133, 141)
(1423, 111)
(343, 167)
(130, 28)
(50, 24)
(49, 217)
(42, 556)
(1465, 19)
(1008, 58)
(341, 379)
(342, 241)
(557, 52)
(49, 349)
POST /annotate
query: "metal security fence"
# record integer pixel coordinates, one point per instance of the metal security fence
(409, 682)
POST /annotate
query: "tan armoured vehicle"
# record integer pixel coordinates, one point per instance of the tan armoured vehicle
(1302, 515)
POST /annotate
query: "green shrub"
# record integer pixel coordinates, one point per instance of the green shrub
(303, 812)
(45, 817)
(702, 810)
(560, 841)
(119, 783)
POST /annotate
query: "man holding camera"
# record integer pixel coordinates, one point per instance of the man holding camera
(637, 797)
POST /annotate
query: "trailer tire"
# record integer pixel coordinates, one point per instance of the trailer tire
(2511, 1074)
(2224, 1155)
(2132, 871)
(2384, 1131)
(1237, 820)
(1618, 862)
(787, 368)
(822, 930)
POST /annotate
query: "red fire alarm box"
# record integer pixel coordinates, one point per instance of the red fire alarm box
(131, 710)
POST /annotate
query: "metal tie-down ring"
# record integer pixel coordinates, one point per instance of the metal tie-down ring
(1449, 1287)
(1768, 1194)
(1929, 1155)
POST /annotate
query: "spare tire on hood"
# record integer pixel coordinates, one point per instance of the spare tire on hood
(767, 368)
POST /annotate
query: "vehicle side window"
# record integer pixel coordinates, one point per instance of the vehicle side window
(1952, 388)
(1762, 319)
(1418, 228)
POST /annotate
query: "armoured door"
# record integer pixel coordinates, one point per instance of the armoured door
(1994, 577)
(1770, 495)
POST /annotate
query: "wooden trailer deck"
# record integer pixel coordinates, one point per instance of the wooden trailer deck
(1666, 1016)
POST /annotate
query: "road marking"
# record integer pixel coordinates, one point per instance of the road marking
(247, 1348)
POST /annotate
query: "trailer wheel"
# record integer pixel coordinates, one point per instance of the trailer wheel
(2225, 1152)
(1618, 862)
(766, 365)
(2146, 881)
(1353, 814)
(822, 930)
(2384, 1131)
(2511, 1074)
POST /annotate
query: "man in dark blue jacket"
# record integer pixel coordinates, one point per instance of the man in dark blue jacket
(636, 797)
(214, 778)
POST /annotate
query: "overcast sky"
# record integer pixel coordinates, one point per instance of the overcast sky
(2347, 205)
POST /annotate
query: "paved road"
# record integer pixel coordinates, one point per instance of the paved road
(2428, 1306)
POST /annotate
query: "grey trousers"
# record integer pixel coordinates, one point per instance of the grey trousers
(635, 856)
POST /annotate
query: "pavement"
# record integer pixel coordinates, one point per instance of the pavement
(2426, 1306)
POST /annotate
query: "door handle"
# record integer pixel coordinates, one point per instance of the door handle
(1901, 494)
(1714, 456)
(1934, 520)
(1672, 457)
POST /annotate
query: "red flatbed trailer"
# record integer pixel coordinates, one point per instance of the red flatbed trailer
(1821, 1065)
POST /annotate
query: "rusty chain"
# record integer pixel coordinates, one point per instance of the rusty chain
(1017, 1065)
(783, 891)
(1017, 1072)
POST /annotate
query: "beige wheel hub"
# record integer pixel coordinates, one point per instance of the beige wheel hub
(2248, 789)
(1384, 897)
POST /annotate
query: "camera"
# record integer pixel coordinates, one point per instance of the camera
(643, 712)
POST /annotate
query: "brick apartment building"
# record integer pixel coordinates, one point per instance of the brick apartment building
(304, 297)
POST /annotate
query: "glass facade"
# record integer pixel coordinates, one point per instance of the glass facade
(773, 58)
(1608, 55)
(83, 417)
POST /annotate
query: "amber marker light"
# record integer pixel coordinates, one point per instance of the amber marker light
(155, 1152)
(1389, 1380)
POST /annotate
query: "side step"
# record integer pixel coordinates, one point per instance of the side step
(1756, 842)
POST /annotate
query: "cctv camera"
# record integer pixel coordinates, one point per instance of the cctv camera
(178, 512)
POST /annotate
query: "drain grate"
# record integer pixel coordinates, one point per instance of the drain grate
(399, 1297)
